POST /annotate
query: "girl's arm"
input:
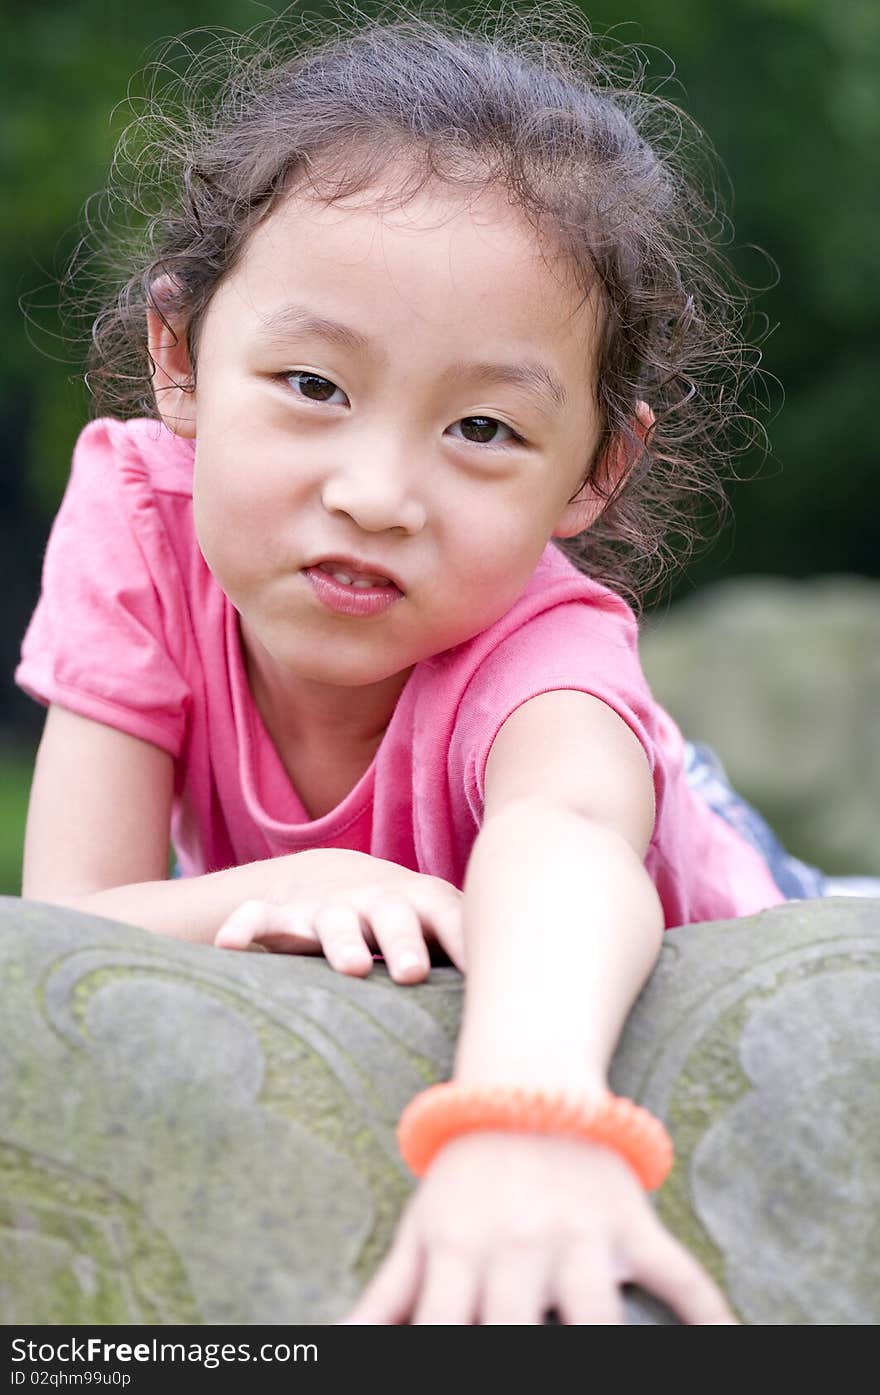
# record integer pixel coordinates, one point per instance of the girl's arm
(562, 921)
(97, 835)
(99, 811)
(562, 927)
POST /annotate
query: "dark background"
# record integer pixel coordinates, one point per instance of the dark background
(788, 91)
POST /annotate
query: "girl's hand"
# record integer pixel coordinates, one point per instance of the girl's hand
(505, 1228)
(345, 905)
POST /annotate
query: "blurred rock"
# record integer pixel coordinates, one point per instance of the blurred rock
(782, 678)
(193, 1136)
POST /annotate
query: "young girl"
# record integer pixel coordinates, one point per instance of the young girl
(425, 349)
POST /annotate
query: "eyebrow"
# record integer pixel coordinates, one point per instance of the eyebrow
(290, 320)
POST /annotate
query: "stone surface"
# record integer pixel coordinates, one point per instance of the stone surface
(196, 1136)
(783, 678)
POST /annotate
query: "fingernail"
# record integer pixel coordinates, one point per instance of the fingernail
(352, 962)
(408, 963)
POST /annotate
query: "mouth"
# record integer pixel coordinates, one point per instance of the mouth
(364, 595)
(361, 576)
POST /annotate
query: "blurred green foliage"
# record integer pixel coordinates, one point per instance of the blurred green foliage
(16, 766)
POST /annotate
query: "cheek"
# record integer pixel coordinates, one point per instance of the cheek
(230, 490)
(226, 519)
(498, 548)
(213, 540)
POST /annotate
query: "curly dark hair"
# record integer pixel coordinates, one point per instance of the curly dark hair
(617, 174)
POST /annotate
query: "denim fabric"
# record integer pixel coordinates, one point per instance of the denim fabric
(706, 775)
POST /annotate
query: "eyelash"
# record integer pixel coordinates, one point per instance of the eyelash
(514, 438)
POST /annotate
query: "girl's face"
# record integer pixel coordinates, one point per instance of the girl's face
(412, 388)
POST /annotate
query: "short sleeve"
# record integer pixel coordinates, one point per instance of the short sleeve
(104, 639)
(575, 645)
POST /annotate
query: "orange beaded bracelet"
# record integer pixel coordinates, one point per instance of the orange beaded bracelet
(444, 1112)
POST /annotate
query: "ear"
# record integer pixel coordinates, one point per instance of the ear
(587, 505)
(172, 374)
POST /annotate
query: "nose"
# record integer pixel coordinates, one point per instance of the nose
(376, 486)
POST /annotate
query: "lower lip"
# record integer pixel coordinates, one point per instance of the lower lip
(347, 600)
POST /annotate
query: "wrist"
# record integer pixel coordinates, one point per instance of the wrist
(533, 1058)
(474, 1069)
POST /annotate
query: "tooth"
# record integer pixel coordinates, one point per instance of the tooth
(362, 583)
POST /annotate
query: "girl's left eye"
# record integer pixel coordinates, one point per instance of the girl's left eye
(315, 388)
(484, 431)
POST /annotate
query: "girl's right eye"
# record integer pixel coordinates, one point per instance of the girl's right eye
(315, 388)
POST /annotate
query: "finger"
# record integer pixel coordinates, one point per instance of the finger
(449, 1292)
(390, 1295)
(586, 1291)
(398, 933)
(288, 942)
(240, 928)
(438, 905)
(340, 930)
(275, 927)
(667, 1270)
(515, 1291)
(288, 929)
(447, 924)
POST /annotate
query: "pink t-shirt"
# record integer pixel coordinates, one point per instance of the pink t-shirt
(132, 630)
